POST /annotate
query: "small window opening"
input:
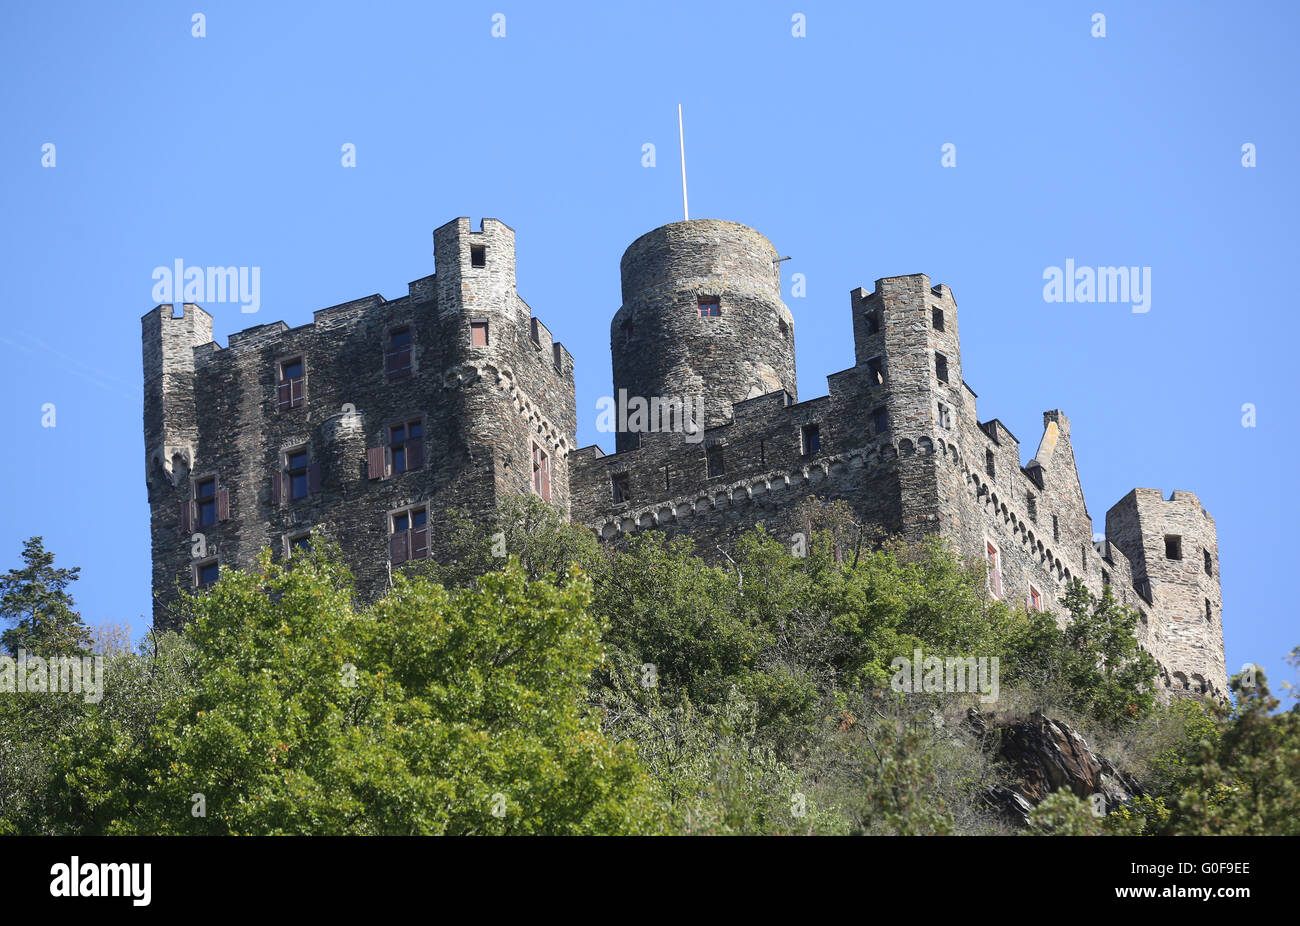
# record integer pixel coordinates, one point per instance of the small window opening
(291, 383)
(812, 439)
(478, 255)
(710, 308)
(620, 485)
(941, 367)
(873, 321)
(1173, 546)
(936, 319)
(205, 493)
(478, 333)
(1209, 563)
(713, 461)
(541, 472)
(880, 421)
(875, 371)
(989, 466)
(298, 482)
(944, 421)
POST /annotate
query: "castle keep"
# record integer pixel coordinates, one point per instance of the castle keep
(369, 423)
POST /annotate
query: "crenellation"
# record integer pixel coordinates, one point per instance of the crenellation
(456, 395)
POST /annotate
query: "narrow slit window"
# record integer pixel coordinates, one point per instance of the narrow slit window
(880, 421)
(944, 420)
(989, 466)
(873, 322)
(713, 461)
(941, 367)
(541, 473)
(397, 355)
(936, 319)
(875, 372)
(1209, 563)
(205, 497)
(995, 571)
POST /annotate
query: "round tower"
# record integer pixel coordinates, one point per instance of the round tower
(702, 319)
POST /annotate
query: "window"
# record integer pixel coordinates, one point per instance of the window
(1209, 610)
(298, 543)
(298, 481)
(1209, 564)
(812, 439)
(619, 483)
(291, 383)
(710, 307)
(397, 355)
(206, 574)
(875, 372)
(941, 367)
(533, 332)
(406, 445)
(628, 329)
(936, 319)
(205, 497)
(1031, 502)
(478, 332)
(944, 421)
(1035, 600)
(541, 473)
(989, 466)
(408, 535)
(785, 329)
(880, 421)
(478, 255)
(1173, 546)
(1105, 578)
(1056, 530)
(873, 321)
(995, 571)
(713, 461)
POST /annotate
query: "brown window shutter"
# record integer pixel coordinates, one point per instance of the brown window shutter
(313, 479)
(415, 453)
(277, 482)
(375, 463)
(397, 547)
(186, 522)
(286, 390)
(297, 391)
(420, 543)
(223, 504)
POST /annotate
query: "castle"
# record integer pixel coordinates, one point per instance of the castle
(371, 421)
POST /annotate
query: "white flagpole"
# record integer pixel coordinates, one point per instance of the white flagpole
(681, 137)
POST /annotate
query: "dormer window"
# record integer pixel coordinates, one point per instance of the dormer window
(710, 307)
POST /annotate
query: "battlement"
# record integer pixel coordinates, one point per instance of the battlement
(456, 395)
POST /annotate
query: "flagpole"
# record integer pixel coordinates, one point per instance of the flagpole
(681, 137)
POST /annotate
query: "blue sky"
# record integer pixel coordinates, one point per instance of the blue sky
(225, 150)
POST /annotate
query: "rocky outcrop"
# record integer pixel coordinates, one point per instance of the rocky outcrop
(1045, 755)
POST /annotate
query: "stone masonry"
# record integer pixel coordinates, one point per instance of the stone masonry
(289, 431)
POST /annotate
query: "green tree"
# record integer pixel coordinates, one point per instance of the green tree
(35, 600)
(429, 712)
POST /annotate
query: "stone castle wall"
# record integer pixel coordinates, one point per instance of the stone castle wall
(897, 436)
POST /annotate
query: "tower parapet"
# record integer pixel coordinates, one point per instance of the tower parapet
(702, 316)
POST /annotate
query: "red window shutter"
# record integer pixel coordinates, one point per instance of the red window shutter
(420, 543)
(286, 393)
(277, 481)
(397, 547)
(415, 453)
(223, 504)
(375, 463)
(186, 522)
(313, 479)
(297, 391)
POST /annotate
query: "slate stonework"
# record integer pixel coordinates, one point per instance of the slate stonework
(897, 436)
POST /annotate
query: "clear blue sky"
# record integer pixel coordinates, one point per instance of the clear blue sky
(225, 150)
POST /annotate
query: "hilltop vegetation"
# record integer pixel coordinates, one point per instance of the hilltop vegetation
(570, 688)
